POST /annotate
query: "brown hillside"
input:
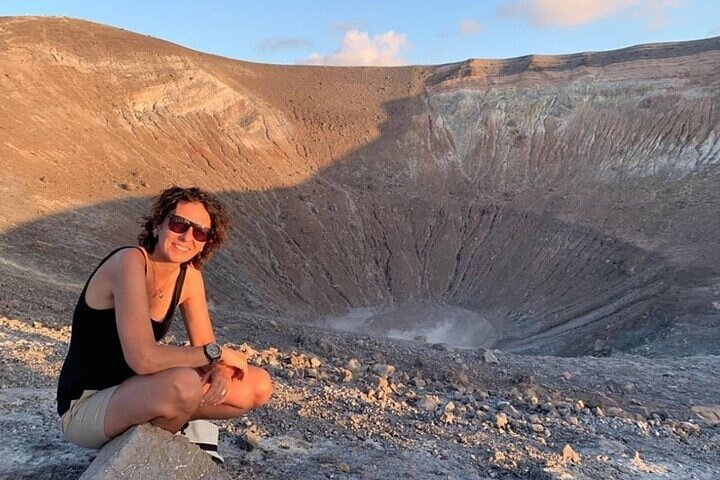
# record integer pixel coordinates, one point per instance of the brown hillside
(544, 204)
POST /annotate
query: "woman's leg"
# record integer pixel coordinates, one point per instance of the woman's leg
(166, 399)
(251, 392)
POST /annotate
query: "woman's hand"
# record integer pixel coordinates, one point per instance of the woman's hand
(218, 380)
(235, 360)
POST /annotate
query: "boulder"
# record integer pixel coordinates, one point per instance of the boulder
(145, 452)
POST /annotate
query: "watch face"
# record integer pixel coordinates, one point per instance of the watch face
(213, 350)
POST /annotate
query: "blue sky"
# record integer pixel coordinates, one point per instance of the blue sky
(394, 32)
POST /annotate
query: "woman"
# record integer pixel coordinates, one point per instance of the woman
(115, 374)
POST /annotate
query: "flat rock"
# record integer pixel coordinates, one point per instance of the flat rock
(145, 452)
(710, 414)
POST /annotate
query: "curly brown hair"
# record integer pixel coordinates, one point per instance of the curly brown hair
(166, 203)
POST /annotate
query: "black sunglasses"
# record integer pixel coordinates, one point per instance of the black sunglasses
(180, 225)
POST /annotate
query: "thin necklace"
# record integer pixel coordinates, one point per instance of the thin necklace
(158, 292)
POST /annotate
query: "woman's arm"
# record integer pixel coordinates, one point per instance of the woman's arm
(194, 309)
(132, 315)
(195, 314)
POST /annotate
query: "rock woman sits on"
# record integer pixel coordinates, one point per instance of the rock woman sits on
(115, 374)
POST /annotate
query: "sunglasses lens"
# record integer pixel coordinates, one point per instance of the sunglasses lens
(176, 225)
(180, 225)
(200, 235)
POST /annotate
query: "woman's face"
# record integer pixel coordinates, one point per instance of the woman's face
(182, 247)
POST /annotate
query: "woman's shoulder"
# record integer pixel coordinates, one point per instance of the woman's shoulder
(192, 273)
(123, 262)
(193, 283)
(128, 257)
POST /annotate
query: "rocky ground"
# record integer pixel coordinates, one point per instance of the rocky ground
(571, 200)
(350, 406)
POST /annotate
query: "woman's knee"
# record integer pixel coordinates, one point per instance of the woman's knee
(263, 387)
(183, 389)
(259, 387)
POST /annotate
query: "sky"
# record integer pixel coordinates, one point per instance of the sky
(393, 32)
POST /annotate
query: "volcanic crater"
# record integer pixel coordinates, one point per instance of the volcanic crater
(547, 205)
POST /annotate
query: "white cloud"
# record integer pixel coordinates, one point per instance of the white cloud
(570, 13)
(470, 27)
(358, 48)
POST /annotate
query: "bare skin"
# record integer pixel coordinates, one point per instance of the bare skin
(174, 384)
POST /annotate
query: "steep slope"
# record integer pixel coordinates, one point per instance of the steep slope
(543, 204)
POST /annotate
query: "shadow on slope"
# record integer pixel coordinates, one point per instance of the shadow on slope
(542, 285)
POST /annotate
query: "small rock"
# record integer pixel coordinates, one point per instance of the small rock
(447, 417)
(537, 428)
(297, 361)
(499, 456)
(250, 440)
(614, 412)
(639, 462)
(628, 387)
(383, 371)
(515, 394)
(315, 362)
(690, 427)
(489, 357)
(428, 403)
(353, 365)
(501, 420)
(567, 376)
(383, 384)
(461, 380)
(570, 455)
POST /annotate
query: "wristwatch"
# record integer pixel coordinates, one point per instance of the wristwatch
(213, 352)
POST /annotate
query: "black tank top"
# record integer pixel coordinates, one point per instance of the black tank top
(95, 359)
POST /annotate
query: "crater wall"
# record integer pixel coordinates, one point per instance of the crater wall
(567, 204)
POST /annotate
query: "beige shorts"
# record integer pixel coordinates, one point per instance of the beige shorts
(84, 423)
